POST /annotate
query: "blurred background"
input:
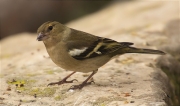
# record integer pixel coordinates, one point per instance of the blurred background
(26, 16)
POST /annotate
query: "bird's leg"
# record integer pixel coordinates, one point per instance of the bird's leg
(64, 80)
(80, 86)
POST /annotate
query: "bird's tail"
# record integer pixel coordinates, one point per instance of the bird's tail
(140, 50)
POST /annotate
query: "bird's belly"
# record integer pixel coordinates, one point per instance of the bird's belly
(61, 58)
(91, 64)
(85, 66)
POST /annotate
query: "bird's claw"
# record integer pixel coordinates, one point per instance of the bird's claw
(62, 82)
(80, 86)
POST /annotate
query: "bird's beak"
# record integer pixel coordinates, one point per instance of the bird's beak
(41, 37)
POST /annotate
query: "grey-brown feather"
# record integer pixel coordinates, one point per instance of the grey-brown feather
(107, 45)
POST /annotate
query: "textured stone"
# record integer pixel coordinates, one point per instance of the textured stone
(130, 79)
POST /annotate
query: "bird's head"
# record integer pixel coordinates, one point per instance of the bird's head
(50, 30)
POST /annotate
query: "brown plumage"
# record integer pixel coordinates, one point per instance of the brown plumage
(79, 51)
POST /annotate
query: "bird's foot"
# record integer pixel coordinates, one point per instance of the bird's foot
(80, 86)
(62, 82)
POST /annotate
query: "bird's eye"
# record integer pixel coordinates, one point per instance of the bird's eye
(50, 28)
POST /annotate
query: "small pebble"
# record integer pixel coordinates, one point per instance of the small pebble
(71, 90)
(131, 101)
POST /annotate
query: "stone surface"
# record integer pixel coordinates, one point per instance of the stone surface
(128, 80)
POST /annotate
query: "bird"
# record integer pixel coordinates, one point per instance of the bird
(78, 51)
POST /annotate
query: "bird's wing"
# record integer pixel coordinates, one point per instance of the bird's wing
(81, 50)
